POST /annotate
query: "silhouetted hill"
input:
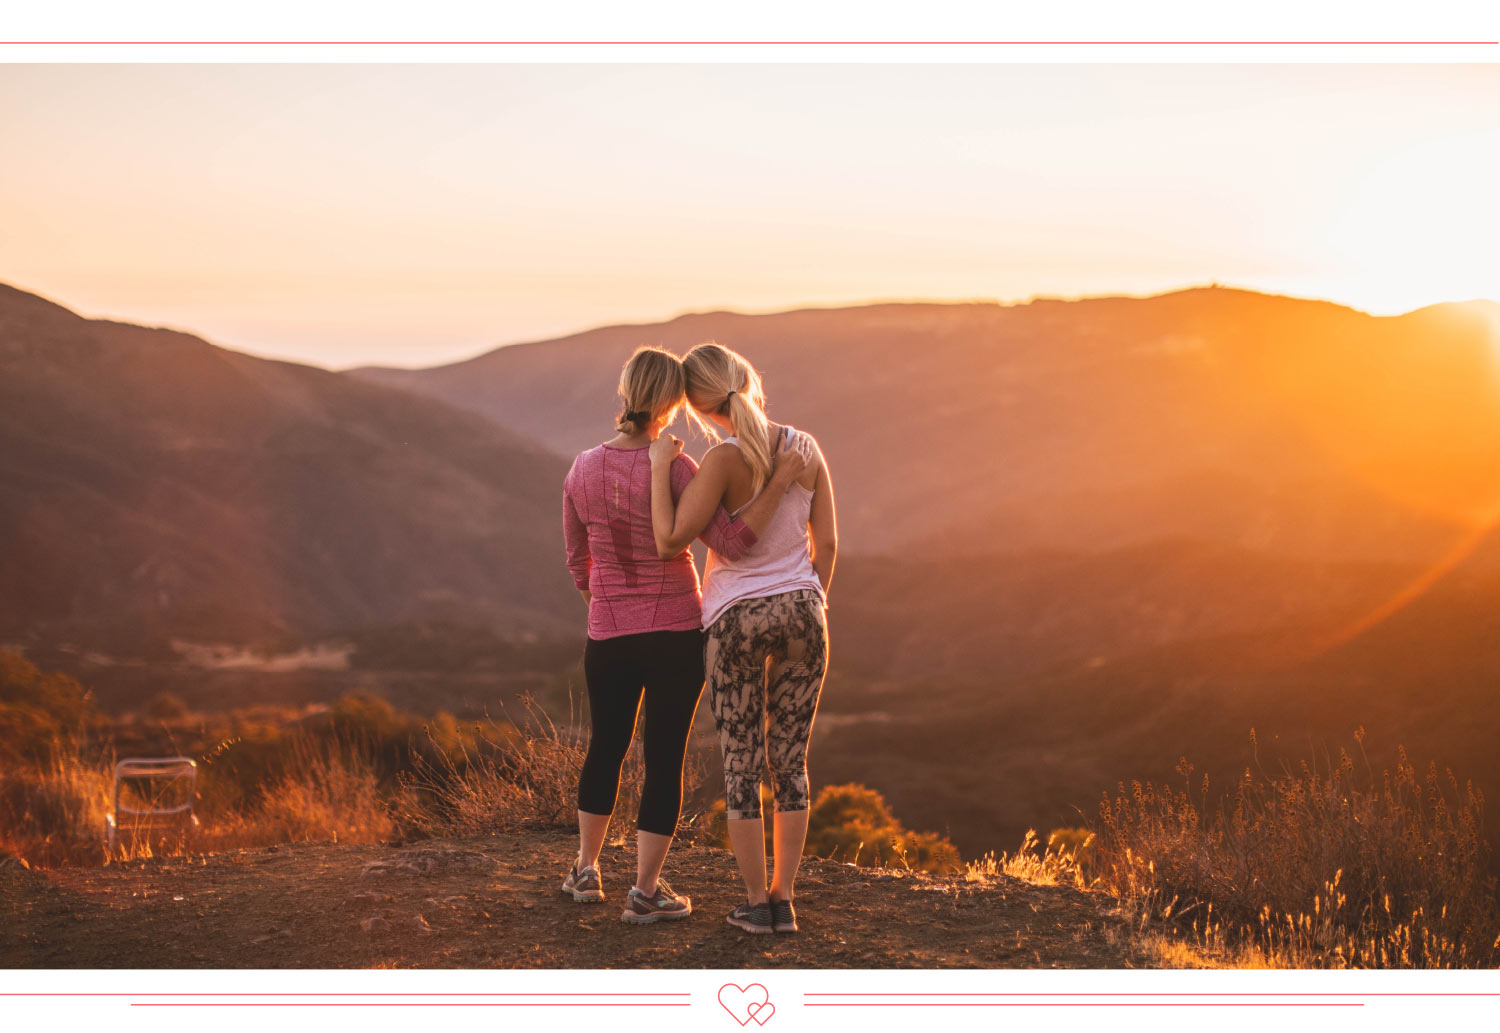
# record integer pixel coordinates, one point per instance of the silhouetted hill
(155, 486)
(1291, 426)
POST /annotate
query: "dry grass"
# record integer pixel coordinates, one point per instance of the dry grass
(359, 779)
(1330, 865)
(1057, 864)
(330, 793)
(527, 778)
(52, 813)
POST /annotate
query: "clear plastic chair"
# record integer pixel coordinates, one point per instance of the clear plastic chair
(152, 795)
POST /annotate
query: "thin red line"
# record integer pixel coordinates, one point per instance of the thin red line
(416, 1004)
(1144, 993)
(1092, 1004)
(340, 994)
(757, 43)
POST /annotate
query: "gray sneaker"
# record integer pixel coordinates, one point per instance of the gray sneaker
(753, 918)
(585, 885)
(783, 916)
(661, 905)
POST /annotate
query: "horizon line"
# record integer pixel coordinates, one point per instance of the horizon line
(875, 302)
(788, 309)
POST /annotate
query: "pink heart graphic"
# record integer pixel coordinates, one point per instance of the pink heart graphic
(747, 1002)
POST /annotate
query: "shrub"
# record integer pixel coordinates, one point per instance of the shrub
(164, 707)
(854, 823)
(38, 710)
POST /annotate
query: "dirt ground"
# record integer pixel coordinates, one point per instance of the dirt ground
(494, 902)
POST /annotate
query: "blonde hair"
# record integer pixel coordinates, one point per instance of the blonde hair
(651, 386)
(725, 375)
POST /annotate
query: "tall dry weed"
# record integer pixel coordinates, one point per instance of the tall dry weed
(1329, 864)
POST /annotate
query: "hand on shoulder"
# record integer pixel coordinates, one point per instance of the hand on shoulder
(666, 448)
(805, 446)
(788, 463)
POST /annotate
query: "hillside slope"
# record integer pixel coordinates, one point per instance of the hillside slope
(154, 486)
(1294, 426)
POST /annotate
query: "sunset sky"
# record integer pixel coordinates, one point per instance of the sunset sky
(415, 214)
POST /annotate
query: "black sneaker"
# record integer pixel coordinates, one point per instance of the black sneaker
(585, 885)
(753, 918)
(783, 916)
(663, 904)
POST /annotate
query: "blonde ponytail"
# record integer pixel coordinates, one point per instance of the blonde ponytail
(714, 371)
(651, 386)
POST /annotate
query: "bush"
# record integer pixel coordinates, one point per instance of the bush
(853, 823)
(38, 711)
(166, 707)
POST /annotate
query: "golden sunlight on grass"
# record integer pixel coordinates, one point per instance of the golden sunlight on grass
(1333, 865)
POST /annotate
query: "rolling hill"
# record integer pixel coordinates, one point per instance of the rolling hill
(154, 486)
(1290, 426)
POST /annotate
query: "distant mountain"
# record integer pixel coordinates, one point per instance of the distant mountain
(1295, 427)
(155, 486)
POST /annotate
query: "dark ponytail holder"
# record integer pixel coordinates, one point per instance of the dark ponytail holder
(725, 407)
(640, 419)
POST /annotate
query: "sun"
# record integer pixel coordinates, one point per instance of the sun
(1420, 225)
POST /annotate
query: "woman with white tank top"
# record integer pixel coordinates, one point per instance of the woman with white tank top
(766, 647)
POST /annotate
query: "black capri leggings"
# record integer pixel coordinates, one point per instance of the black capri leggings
(667, 668)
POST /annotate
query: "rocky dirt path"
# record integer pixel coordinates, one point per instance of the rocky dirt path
(493, 902)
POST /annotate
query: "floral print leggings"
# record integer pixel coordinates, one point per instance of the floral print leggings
(763, 715)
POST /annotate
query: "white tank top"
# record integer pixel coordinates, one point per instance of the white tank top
(779, 561)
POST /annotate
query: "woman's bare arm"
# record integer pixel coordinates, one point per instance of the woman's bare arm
(823, 526)
(675, 526)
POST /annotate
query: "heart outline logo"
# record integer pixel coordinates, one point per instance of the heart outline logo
(743, 1004)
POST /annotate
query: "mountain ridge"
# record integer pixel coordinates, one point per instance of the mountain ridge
(154, 485)
(969, 407)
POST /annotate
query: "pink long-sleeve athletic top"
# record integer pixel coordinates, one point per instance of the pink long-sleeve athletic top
(612, 549)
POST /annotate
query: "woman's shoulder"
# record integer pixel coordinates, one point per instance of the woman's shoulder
(724, 452)
(803, 442)
(583, 460)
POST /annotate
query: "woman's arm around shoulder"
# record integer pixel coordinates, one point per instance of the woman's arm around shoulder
(676, 521)
(699, 498)
(730, 536)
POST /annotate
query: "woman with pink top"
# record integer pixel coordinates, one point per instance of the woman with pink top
(761, 606)
(645, 642)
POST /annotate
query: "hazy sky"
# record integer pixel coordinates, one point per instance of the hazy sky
(413, 214)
